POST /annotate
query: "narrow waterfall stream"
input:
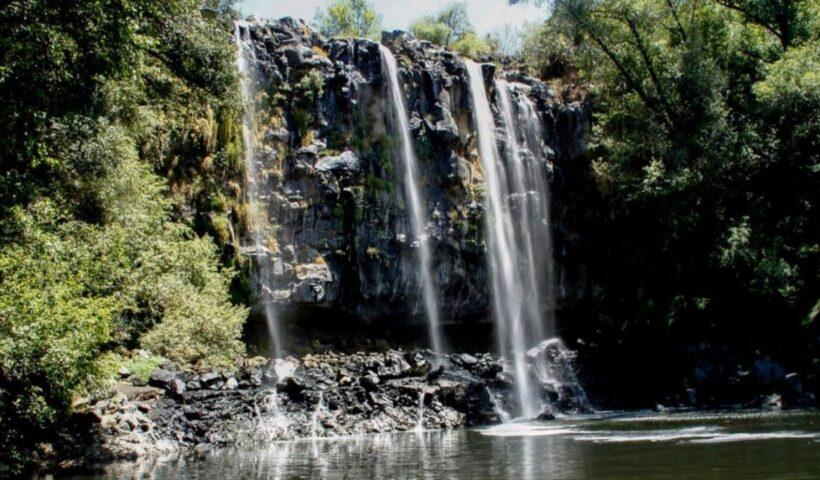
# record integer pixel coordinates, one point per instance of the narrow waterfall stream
(418, 210)
(508, 270)
(258, 218)
(529, 228)
(532, 131)
(314, 423)
(420, 420)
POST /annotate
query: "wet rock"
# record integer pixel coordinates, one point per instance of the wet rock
(772, 402)
(256, 376)
(467, 360)
(168, 380)
(208, 379)
(346, 163)
(768, 372)
(370, 381)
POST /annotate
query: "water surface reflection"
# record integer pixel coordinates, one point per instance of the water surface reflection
(609, 446)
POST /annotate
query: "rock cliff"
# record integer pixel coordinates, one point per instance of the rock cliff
(338, 235)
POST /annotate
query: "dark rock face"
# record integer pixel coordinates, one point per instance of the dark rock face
(332, 180)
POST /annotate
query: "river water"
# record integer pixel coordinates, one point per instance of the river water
(743, 445)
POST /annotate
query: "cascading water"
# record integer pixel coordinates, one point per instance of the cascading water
(552, 362)
(520, 245)
(420, 419)
(507, 267)
(259, 224)
(532, 132)
(418, 220)
(271, 421)
(503, 415)
(527, 216)
(314, 424)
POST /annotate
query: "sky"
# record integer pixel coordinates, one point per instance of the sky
(485, 15)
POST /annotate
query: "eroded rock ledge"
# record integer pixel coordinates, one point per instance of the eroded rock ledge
(326, 395)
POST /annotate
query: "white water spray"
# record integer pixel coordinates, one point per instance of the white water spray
(258, 219)
(506, 264)
(418, 221)
(420, 419)
(497, 408)
(271, 421)
(314, 425)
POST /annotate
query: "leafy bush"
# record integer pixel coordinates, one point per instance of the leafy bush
(349, 18)
(471, 45)
(93, 254)
(198, 325)
(451, 28)
(432, 31)
(139, 364)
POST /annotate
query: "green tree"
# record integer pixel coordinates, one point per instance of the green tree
(705, 137)
(429, 29)
(95, 251)
(349, 18)
(451, 28)
(471, 45)
(444, 27)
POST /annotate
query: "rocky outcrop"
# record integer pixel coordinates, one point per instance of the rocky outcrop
(332, 395)
(326, 395)
(339, 237)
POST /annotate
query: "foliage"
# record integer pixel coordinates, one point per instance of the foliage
(431, 30)
(95, 253)
(140, 364)
(198, 325)
(705, 137)
(451, 28)
(470, 45)
(348, 18)
(506, 40)
(445, 27)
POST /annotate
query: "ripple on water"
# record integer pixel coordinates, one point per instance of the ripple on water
(529, 429)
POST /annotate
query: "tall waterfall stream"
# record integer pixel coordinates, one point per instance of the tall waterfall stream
(259, 222)
(418, 209)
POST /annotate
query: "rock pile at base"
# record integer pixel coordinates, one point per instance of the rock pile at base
(326, 395)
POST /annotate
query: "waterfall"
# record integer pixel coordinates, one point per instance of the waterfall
(420, 420)
(507, 269)
(503, 415)
(418, 217)
(540, 207)
(527, 217)
(258, 219)
(314, 424)
(519, 242)
(271, 421)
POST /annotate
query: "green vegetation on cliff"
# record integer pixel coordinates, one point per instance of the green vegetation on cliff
(114, 127)
(705, 163)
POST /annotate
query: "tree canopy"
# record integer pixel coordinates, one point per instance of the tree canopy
(113, 125)
(349, 18)
(451, 28)
(706, 135)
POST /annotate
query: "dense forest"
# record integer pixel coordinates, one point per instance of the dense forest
(122, 196)
(120, 164)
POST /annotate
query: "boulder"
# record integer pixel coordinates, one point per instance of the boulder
(768, 372)
(170, 381)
